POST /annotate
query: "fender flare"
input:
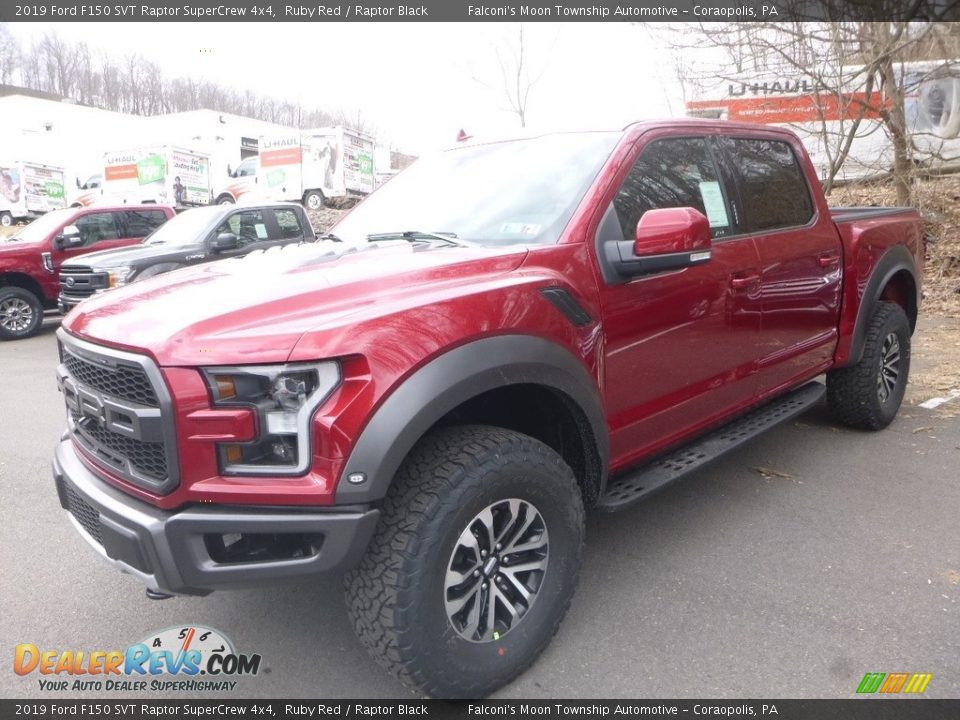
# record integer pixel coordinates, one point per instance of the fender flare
(894, 260)
(448, 381)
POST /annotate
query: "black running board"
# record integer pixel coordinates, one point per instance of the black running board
(634, 485)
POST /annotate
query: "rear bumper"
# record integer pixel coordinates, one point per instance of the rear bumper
(171, 551)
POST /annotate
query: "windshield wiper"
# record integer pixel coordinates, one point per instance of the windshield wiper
(330, 236)
(415, 235)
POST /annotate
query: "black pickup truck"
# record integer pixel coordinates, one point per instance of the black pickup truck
(196, 236)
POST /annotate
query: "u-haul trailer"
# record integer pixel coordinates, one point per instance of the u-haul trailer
(316, 166)
(823, 119)
(29, 189)
(161, 174)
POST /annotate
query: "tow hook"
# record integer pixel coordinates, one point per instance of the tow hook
(157, 595)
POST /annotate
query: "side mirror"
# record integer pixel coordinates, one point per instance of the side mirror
(77, 180)
(226, 241)
(666, 239)
(671, 230)
(69, 237)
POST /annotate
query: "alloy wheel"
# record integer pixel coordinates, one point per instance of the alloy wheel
(496, 570)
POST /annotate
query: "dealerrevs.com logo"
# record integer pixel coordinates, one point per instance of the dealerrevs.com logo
(191, 658)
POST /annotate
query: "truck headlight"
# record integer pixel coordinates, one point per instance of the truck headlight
(284, 397)
(116, 276)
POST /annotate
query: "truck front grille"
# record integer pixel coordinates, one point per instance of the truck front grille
(78, 281)
(83, 513)
(120, 412)
(124, 382)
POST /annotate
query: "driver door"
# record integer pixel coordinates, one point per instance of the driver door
(681, 345)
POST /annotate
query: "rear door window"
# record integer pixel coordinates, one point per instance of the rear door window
(674, 172)
(773, 188)
(289, 223)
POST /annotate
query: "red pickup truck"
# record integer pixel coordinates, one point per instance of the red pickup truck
(30, 260)
(509, 333)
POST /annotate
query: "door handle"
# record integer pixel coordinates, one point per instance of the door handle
(828, 259)
(743, 281)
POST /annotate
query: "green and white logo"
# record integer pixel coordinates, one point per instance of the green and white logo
(151, 169)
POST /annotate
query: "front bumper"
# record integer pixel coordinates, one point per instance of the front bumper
(170, 552)
(66, 304)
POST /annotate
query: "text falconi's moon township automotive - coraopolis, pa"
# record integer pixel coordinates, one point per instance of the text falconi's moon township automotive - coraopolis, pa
(591, 11)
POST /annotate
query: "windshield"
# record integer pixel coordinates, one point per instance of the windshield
(521, 191)
(187, 228)
(44, 225)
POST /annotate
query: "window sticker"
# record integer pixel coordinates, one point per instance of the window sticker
(261, 231)
(713, 204)
(515, 228)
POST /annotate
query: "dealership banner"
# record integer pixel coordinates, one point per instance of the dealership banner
(474, 710)
(481, 11)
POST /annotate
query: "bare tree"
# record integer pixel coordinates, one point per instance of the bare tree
(135, 85)
(9, 55)
(517, 78)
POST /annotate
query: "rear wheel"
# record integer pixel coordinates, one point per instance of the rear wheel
(474, 562)
(313, 200)
(6, 219)
(868, 395)
(21, 313)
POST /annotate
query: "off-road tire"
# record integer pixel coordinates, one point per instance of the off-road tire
(396, 595)
(22, 298)
(852, 392)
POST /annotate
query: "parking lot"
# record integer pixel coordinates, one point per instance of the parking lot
(788, 569)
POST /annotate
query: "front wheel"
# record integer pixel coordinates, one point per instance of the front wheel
(474, 562)
(313, 200)
(868, 395)
(21, 313)
(226, 200)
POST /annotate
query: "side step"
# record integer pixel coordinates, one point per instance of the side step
(634, 485)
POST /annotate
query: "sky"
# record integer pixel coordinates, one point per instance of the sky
(417, 84)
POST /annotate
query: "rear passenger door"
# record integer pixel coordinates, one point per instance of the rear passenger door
(800, 258)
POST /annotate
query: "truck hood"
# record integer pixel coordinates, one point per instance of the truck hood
(131, 255)
(12, 248)
(254, 309)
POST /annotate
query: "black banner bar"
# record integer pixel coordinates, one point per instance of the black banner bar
(477, 10)
(872, 708)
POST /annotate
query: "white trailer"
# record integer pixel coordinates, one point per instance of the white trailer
(823, 119)
(29, 189)
(316, 166)
(162, 174)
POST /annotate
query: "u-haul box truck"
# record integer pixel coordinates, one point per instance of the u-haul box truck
(29, 189)
(164, 174)
(823, 119)
(315, 166)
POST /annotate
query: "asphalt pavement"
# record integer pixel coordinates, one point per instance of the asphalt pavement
(790, 568)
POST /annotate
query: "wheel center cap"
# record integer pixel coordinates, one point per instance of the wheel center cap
(491, 565)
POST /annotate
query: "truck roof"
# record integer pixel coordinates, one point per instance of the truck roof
(633, 128)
